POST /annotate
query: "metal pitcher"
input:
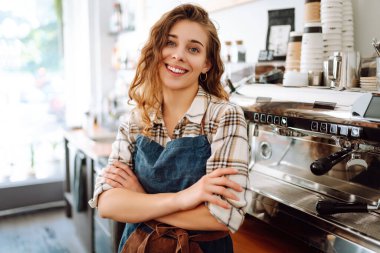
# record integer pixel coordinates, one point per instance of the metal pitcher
(350, 70)
(334, 69)
(343, 70)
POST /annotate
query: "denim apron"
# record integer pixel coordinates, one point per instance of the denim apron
(171, 169)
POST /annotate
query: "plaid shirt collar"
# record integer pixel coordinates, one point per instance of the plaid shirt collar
(194, 114)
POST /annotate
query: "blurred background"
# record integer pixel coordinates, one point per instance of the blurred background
(32, 103)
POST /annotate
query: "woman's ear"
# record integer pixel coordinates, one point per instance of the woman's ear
(206, 67)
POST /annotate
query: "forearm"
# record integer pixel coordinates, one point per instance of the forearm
(127, 206)
(198, 218)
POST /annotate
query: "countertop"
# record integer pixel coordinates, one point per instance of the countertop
(93, 148)
(259, 237)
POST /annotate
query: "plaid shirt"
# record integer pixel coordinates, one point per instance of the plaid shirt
(226, 131)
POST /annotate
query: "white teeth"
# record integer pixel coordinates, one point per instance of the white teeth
(175, 70)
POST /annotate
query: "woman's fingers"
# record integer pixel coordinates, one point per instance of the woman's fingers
(226, 182)
(222, 191)
(112, 183)
(125, 168)
(119, 175)
(223, 171)
(115, 176)
(112, 170)
(219, 202)
(218, 183)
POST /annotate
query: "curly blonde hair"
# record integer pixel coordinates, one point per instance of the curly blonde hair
(146, 89)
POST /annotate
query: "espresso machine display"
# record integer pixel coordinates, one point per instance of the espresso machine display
(315, 164)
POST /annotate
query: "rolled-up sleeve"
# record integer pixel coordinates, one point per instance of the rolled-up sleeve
(122, 149)
(229, 149)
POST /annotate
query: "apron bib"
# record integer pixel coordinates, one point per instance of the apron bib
(171, 169)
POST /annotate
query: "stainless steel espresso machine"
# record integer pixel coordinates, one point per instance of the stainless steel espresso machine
(315, 164)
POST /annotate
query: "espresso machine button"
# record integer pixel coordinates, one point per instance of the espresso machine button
(277, 120)
(333, 129)
(263, 118)
(256, 117)
(314, 126)
(356, 131)
(343, 130)
(323, 127)
(284, 121)
(269, 119)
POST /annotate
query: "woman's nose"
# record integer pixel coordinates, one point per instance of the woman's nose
(178, 54)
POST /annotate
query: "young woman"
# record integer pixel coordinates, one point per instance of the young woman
(177, 174)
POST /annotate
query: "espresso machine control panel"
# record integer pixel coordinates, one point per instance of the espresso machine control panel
(269, 119)
(307, 124)
(345, 114)
(315, 164)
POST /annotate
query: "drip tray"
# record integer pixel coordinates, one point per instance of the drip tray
(362, 228)
(331, 187)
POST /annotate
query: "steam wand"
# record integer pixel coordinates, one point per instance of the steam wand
(291, 143)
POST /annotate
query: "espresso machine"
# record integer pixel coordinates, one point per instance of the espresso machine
(315, 164)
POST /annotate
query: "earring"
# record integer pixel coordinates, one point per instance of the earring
(203, 77)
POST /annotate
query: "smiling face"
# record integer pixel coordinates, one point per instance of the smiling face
(184, 56)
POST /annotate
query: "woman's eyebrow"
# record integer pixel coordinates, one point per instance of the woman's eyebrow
(192, 41)
(196, 41)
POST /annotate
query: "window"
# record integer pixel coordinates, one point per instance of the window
(31, 90)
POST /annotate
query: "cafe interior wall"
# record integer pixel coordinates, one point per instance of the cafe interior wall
(76, 59)
(248, 21)
(87, 53)
(89, 45)
(252, 20)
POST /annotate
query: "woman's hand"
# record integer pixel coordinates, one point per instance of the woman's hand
(119, 175)
(208, 188)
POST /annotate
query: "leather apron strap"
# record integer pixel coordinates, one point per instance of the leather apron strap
(170, 238)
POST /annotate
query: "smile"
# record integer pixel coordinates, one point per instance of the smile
(176, 70)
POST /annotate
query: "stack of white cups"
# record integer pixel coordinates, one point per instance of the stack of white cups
(293, 54)
(347, 26)
(312, 48)
(332, 26)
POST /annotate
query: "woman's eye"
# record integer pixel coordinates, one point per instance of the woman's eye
(170, 43)
(194, 50)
